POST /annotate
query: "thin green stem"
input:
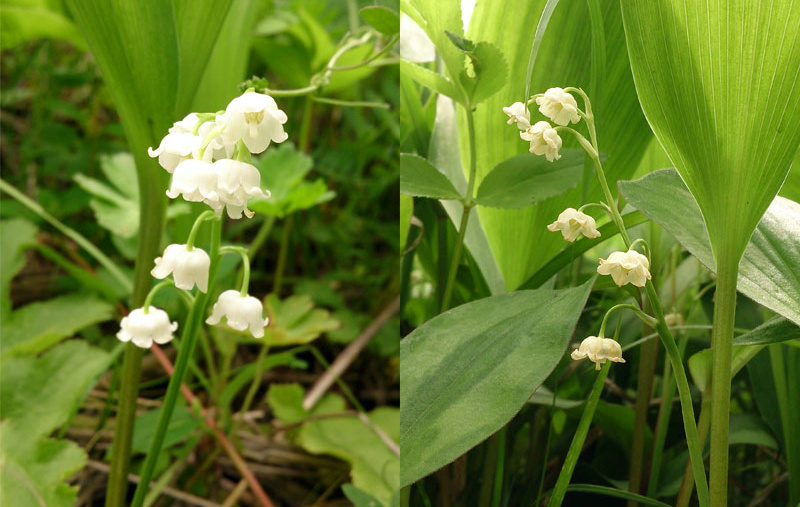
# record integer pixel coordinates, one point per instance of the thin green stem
(283, 254)
(369, 60)
(202, 217)
(575, 448)
(722, 346)
(468, 203)
(188, 340)
(245, 265)
(297, 92)
(150, 295)
(350, 103)
(499, 471)
(650, 321)
(67, 231)
(251, 392)
(261, 236)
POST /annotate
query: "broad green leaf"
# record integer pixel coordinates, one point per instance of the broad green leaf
(382, 19)
(769, 272)
(429, 79)
(468, 371)
(718, 84)
(286, 402)
(374, 467)
(295, 321)
(37, 326)
(406, 212)
(37, 395)
(181, 425)
(749, 429)
(15, 235)
(519, 240)
(523, 180)
(117, 207)
(486, 74)
(436, 19)
(420, 178)
(20, 24)
(34, 470)
(359, 497)
(198, 23)
(777, 329)
(283, 170)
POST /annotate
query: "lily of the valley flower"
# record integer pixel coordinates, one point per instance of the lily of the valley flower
(626, 267)
(559, 106)
(196, 181)
(236, 183)
(572, 222)
(144, 328)
(598, 350)
(544, 140)
(255, 119)
(174, 149)
(241, 312)
(518, 112)
(188, 266)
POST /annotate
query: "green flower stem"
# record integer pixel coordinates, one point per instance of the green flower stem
(245, 265)
(69, 232)
(188, 340)
(578, 439)
(468, 204)
(722, 346)
(150, 295)
(350, 103)
(202, 217)
(687, 411)
(650, 321)
(283, 254)
(252, 391)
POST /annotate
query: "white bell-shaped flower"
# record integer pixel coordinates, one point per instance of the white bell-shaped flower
(174, 149)
(255, 119)
(559, 106)
(196, 181)
(518, 112)
(237, 182)
(572, 222)
(216, 147)
(598, 350)
(241, 312)
(626, 267)
(187, 266)
(544, 140)
(145, 328)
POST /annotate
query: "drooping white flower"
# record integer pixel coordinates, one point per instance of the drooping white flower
(255, 119)
(626, 267)
(240, 312)
(196, 180)
(216, 147)
(572, 222)
(518, 112)
(187, 266)
(544, 140)
(145, 328)
(237, 182)
(559, 106)
(174, 149)
(415, 46)
(598, 350)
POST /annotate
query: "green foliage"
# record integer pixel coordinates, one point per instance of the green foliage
(406, 212)
(769, 272)
(295, 320)
(26, 20)
(286, 402)
(182, 424)
(420, 178)
(37, 326)
(729, 124)
(523, 180)
(15, 236)
(381, 18)
(467, 372)
(283, 171)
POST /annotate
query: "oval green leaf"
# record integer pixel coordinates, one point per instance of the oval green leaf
(468, 371)
(382, 19)
(523, 180)
(769, 272)
(718, 84)
(420, 178)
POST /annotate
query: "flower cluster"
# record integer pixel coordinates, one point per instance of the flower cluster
(207, 154)
(556, 104)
